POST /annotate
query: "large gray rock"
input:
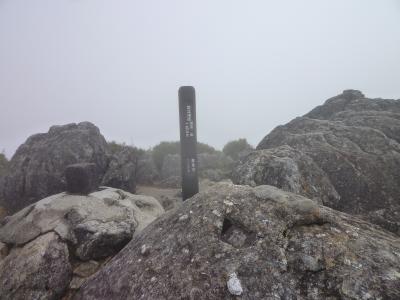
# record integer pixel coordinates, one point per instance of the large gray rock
(38, 270)
(287, 169)
(37, 168)
(95, 226)
(122, 170)
(260, 243)
(345, 152)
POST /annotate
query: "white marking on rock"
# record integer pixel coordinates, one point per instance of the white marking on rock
(234, 285)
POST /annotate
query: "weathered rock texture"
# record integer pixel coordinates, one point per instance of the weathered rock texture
(37, 168)
(3, 250)
(262, 243)
(38, 270)
(345, 153)
(122, 169)
(95, 226)
(288, 169)
(48, 249)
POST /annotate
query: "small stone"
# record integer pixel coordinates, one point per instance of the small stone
(234, 285)
(82, 178)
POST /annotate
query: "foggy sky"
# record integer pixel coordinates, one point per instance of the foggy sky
(255, 64)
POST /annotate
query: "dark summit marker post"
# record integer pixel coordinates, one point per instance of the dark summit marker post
(189, 163)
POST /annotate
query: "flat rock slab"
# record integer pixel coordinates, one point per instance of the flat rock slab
(259, 243)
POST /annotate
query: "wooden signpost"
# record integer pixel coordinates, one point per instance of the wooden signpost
(188, 133)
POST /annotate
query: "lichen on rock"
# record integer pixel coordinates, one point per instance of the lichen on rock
(277, 243)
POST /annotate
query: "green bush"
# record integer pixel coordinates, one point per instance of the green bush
(161, 150)
(204, 148)
(234, 148)
(115, 147)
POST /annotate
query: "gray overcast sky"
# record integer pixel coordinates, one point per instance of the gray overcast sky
(255, 64)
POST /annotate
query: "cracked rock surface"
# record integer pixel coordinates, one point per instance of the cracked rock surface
(95, 226)
(50, 248)
(279, 245)
(344, 153)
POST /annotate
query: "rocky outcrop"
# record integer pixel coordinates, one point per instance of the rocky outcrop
(95, 226)
(48, 249)
(259, 243)
(345, 153)
(288, 169)
(122, 169)
(37, 168)
(38, 270)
